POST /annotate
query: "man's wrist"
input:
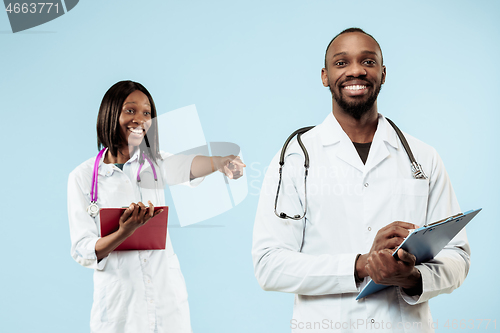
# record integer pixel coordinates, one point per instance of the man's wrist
(416, 287)
(359, 267)
(357, 279)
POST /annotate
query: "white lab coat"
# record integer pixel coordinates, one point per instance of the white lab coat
(347, 203)
(134, 291)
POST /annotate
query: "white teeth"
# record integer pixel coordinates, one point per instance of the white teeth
(136, 131)
(355, 87)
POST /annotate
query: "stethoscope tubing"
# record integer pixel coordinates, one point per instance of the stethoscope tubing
(417, 171)
(93, 208)
(141, 164)
(93, 190)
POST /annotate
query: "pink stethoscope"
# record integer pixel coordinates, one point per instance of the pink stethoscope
(93, 208)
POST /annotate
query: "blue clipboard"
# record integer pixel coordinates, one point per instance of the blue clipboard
(426, 242)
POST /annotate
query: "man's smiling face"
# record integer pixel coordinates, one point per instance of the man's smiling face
(354, 72)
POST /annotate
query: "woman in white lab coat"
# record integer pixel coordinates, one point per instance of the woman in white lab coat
(134, 291)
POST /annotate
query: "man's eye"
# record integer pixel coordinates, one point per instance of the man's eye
(340, 63)
(369, 62)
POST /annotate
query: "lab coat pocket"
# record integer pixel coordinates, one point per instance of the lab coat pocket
(177, 279)
(108, 303)
(409, 200)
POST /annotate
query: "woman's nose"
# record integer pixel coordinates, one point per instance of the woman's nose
(140, 119)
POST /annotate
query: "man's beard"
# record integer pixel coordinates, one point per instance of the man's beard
(356, 109)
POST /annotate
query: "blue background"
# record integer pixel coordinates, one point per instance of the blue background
(253, 71)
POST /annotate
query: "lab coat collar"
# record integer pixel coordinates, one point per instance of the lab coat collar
(145, 166)
(388, 134)
(384, 136)
(104, 169)
(332, 133)
(330, 130)
(135, 158)
(108, 169)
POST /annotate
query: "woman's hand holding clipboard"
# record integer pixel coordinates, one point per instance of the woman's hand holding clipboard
(135, 216)
(135, 223)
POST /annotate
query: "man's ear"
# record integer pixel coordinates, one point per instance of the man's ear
(384, 73)
(324, 77)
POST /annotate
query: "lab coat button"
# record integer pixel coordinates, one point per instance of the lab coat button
(369, 229)
(145, 260)
(373, 320)
(366, 184)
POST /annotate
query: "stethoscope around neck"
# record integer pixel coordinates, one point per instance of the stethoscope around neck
(93, 208)
(416, 168)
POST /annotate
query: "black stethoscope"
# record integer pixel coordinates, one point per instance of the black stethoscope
(416, 168)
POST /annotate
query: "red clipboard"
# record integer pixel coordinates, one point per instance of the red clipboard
(151, 236)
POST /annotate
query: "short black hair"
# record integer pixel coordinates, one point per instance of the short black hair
(353, 30)
(108, 125)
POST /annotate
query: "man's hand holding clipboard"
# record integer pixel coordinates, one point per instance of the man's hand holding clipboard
(380, 265)
(424, 244)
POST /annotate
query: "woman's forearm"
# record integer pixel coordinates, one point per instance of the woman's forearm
(135, 216)
(107, 244)
(204, 165)
(231, 165)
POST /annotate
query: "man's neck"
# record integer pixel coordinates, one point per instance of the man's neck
(358, 130)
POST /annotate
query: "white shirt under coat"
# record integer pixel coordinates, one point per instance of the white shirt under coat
(134, 291)
(347, 203)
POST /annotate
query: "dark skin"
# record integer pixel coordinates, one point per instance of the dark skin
(136, 114)
(134, 122)
(354, 59)
(135, 216)
(353, 72)
(381, 266)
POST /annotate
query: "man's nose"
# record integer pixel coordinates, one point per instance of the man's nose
(356, 70)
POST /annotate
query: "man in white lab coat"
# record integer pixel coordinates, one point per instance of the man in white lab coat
(362, 201)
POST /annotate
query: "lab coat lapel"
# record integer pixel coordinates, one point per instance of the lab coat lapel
(348, 153)
(103, 168)
(134, 158)
(145, 165)
(384, 136)
(332, 133)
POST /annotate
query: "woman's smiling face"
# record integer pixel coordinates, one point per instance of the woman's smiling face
(135, 118)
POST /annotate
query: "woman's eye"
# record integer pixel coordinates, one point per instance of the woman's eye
(129, 111)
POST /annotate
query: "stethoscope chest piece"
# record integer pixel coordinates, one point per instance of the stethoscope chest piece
(93, 209)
